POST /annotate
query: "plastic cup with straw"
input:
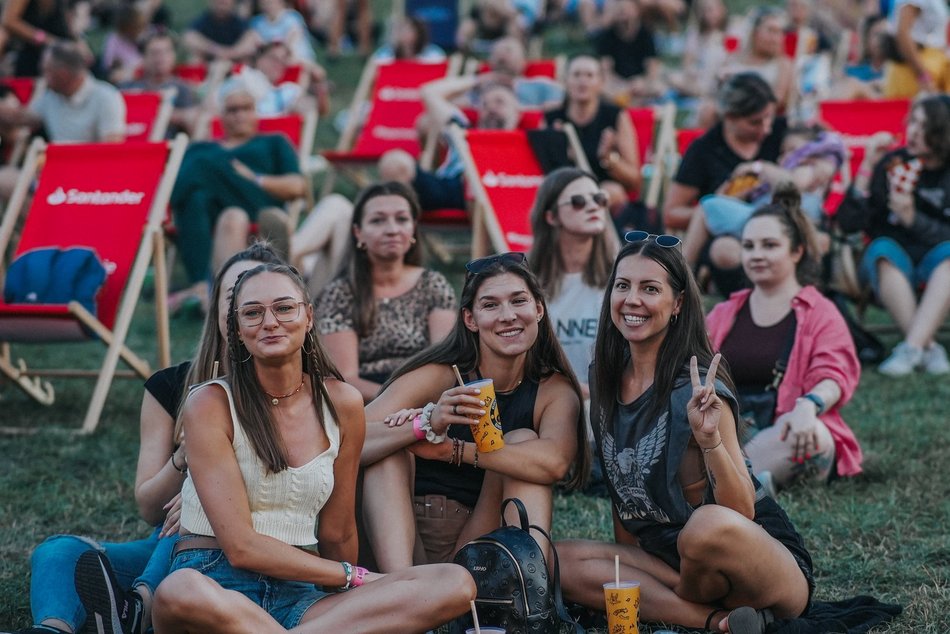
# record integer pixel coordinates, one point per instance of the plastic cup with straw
(481, 630)
(623, 603)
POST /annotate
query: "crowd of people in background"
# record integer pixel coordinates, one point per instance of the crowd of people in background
(328, 383)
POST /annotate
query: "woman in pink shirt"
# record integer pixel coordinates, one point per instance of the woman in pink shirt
(806, 438)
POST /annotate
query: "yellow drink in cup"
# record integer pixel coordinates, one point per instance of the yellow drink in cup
(623, 607)
(487, 432)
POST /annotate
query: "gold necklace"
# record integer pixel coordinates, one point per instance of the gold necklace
(275, 400)
(512, 389)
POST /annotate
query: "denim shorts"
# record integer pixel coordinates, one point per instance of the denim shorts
(285, 601)
(888, 249)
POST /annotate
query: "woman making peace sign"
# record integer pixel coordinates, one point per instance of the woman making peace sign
(690, 523)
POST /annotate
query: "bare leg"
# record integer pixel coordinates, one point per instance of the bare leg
(768, 452)
(326, 231)
(933, 308)
(388, 515)
(728, 559)
(230, 235)
(696, 236)
(414, 600)
(725, 253)
(896, 294)
(587, 565)
(187, 602)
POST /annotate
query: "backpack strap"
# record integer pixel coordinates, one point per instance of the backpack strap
(522, 513)
(558, 596)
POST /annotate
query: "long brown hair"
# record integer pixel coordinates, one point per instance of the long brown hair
(545, 358)
(545, 255)
(359, 270)
(211, 346)
(685, 337)
(251, 404)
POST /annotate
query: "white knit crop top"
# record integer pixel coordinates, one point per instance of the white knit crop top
(283, 505)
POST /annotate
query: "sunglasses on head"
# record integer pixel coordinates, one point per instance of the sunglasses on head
(481, 264)
(579, 201)
(662, 240)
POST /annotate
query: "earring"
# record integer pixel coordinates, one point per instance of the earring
(360, 245)
(540, 317)
(249, 355)
(674, 318)
(412, 240)
(313, 344)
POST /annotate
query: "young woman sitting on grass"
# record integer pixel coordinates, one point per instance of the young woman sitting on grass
(690, 522)
(273, 454)
(60, 605)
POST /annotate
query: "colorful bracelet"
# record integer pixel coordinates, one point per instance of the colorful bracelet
(358, 576)
(417, 429)
(348, 571)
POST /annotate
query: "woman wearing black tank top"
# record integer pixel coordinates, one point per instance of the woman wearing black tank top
(503, 333)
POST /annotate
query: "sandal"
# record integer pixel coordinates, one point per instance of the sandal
(746, 620)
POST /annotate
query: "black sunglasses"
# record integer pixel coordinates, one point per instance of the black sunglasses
(662, 240)
(579, 201)
(481, 264)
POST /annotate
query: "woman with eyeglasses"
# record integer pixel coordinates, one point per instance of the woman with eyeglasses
(690, 522)
(424, 480)
(273, 451)
(384, 307)
(789, 349)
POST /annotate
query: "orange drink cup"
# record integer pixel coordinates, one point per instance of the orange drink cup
(623, 607)
(487, 432)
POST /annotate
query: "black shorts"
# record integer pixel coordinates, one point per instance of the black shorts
(436, 192)
(661, 540)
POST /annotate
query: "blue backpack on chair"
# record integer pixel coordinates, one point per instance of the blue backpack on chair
(55, 276)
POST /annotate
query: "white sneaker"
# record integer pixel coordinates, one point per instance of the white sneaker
(935, 359)
(904, 360)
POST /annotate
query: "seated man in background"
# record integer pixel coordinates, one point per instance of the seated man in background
(507, 62)
(213, 34)
(158, 73)
(628, 53)
(224, 186)
(443, 188)
(75, 107)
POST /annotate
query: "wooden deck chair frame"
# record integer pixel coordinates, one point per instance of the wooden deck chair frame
(151, 250)
(354, 123)
(560, 65)
(163, 117)
(22, 134)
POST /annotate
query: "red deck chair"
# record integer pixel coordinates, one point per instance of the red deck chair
(858, 120)
(23, 87)
(147, 114)
(392, 92)
(550, 68)
(502, 175)
(194, 73)
(109, 198)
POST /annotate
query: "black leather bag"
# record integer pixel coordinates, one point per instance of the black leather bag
(514, 589)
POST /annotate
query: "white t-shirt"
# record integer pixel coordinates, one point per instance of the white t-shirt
(92, 113)
(574, 314)
(930, 27)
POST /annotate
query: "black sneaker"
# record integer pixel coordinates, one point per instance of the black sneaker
(109, 608)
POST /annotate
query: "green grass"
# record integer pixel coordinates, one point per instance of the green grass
(883, 533)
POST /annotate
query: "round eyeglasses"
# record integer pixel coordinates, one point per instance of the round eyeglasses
(662, 240)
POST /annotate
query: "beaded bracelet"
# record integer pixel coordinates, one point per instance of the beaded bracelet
(475, 460)
(348, 571)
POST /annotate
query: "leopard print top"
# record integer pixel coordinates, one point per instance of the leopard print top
(402, 323)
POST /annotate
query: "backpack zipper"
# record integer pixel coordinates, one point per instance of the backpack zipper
(524, 590)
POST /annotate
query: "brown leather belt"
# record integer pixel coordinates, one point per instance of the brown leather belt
(438, 507)
(192, 542)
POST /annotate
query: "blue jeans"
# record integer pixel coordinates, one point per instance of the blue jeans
(285, 601)
(888, 249)
(53, 564)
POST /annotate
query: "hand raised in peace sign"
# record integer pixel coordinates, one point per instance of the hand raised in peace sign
(704, 408)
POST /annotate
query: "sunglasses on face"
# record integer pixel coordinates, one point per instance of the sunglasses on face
(662, 240)
(579, 201)
(481, 264)
(253, 314)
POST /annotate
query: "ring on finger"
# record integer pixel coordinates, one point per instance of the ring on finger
(455, 409)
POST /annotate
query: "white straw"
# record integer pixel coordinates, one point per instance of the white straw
(617, 569)
(478, 630)
(214, 370)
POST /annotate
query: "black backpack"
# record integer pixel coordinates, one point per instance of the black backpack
(514, 589)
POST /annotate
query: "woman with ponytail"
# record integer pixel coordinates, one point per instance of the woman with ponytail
(783, 339)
